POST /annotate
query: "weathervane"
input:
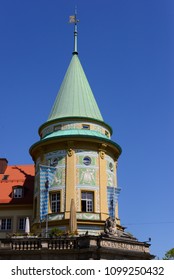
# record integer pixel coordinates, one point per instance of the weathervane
(73, 19)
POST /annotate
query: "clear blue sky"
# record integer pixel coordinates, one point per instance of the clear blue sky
(126, 49)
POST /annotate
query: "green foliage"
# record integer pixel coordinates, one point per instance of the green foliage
(24, 234)
(56, 232)
(169, 255)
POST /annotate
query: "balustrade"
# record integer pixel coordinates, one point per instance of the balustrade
(61, 243)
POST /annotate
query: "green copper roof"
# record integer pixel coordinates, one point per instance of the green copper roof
(75, 97)
(82, 133)
(77, 133)
(72, 132)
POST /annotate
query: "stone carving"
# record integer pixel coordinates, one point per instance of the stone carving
(110, 227)
(70, 152)
(102, 154)
(87, 176)
(124, 246)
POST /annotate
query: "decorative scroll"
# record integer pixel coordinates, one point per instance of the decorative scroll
(70, 152)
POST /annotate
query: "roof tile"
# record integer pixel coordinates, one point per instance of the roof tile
(18, 175)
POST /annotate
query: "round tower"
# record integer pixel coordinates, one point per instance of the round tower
(75, 160)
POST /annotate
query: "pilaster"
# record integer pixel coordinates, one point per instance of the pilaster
(103, 184)
(70, 181)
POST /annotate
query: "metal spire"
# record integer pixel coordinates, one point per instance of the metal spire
(73, 19)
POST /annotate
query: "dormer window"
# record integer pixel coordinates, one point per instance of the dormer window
(85, 126)
(18, 192)
(5, 177)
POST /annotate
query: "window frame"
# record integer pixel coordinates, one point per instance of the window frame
(86, 126)
(55, 204)
(18, 223)
(87, 203)
(5, 177)
(19, 192)
(5, 224)
(87, 160)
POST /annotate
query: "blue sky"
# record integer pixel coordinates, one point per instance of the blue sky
(126, 49)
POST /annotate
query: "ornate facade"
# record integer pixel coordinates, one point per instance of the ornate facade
(75, 184)
(75, 158)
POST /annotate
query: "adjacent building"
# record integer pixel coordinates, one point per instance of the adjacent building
(16, 197)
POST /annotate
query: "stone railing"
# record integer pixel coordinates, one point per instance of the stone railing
(75, 247)
(26, 244)
(60, 243)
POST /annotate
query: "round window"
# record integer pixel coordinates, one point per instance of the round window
(87, 160)
(111, 166)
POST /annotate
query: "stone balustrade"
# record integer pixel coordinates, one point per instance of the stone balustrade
(75, 247)
(26, 243)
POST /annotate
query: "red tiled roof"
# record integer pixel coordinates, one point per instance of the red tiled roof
(17, 176)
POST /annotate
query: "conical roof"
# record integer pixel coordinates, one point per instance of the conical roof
(75, 97)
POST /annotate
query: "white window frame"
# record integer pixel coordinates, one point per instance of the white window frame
(5, 224)
(18, 192)
(55, 200)
(87, 201)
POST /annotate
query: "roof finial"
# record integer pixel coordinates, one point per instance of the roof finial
(73, 19)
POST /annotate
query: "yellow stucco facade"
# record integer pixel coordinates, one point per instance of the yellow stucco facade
(75, 178)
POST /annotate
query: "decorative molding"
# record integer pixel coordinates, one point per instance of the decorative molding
(55, 217)
(88, 187)
(88, 216)
(102, 154)
(68, 125)
(103, 146)
(123, 246)
(70, 152)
